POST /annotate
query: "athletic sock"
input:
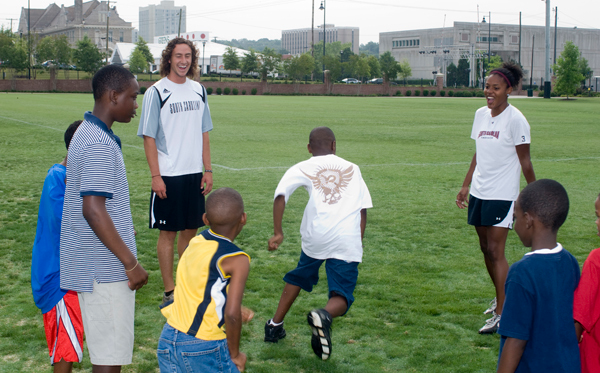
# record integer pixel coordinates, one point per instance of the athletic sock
(274, 324)
(168, 293)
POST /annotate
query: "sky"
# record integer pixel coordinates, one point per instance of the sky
(238, 19)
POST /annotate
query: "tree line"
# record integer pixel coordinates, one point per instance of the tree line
(338, 58)
(23, 53)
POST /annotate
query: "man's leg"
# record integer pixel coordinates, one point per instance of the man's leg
(164, 252)
(184, 239)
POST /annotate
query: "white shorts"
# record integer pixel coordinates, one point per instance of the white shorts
(108, 317)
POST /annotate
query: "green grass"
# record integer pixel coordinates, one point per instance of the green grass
(422, 286)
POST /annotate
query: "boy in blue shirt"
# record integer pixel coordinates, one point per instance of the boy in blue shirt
(60, 308)
(537, 329)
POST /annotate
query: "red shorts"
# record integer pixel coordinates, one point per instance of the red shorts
(64, 330)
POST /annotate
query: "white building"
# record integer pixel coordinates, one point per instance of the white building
(210, 55)
(298, 41)
(161, 19)
(432, 50)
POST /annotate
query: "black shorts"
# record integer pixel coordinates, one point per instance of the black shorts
(495, 213)
(183, 207)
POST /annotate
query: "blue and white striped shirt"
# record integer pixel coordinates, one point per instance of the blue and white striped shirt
(95, 167)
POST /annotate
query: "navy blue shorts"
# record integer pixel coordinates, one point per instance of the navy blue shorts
(486, 213)
(341, 276)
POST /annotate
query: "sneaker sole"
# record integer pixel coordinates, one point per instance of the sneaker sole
(318, 338)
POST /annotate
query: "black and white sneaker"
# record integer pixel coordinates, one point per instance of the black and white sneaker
(320, 323)
(492, 308)
(491, 325)
(273, 333)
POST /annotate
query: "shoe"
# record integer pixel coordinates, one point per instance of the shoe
(167, 299)
(273, 333)
(491, 325)
(491, 308)
(320, 322)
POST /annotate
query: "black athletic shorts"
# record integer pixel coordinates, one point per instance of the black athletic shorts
(496, 213)
(183, 207)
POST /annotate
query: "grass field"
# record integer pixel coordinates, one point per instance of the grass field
(422, 285)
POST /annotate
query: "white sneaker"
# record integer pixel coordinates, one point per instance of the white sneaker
(491, 325)
(491, 308)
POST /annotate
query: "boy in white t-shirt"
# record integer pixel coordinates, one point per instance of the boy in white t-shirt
(332, 230)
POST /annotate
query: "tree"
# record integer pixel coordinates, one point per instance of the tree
(389, 66)
(230, 59)
(63, 51)
(359, 66)
(495, 62)
(451, 75)
(585, 70)
(567, 70)
(18, 56)
(299, 66)
(249, 62)
(374, 67)
(463, 71)
(137, 61)
(87, 56)
(45, 50)
(405, 70)
(334, 66)
(143, 47)
(270, 63)
(370, 49)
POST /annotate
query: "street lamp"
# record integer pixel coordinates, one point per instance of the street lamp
(324, 36)
(203, 45)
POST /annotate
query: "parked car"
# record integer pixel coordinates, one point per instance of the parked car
(350, 81)
(375, 81)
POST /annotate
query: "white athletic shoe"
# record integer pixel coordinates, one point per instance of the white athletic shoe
(491, 308)
(491, 325)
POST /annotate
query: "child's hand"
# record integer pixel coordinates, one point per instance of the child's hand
(275, 241)
(240, 361)
(138, 277)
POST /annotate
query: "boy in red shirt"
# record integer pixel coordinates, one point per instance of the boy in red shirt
(586, 308)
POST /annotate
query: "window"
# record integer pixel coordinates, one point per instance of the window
(515, 39)
(485, 39)
(464, 37)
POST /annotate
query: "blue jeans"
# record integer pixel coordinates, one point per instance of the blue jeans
(179, 352)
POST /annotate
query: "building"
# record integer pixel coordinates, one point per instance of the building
(430, 51)
(77, 21)
(163, 19)
(210, 58)
(298, 41)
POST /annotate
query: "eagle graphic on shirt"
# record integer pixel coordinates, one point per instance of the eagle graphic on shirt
(331, 181)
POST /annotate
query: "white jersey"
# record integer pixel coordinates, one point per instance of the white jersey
(497, 175)
(331, 222)
(176, 116)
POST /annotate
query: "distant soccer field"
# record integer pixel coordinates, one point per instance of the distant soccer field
(422, 286)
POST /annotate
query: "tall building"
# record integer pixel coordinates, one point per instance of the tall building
(77, 21)
(431, 50)
(298, 41)
(163, 19)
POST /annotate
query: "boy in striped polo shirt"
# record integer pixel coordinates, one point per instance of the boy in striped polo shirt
(97, 245)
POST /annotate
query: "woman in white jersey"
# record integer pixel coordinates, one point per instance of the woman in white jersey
(502, 139)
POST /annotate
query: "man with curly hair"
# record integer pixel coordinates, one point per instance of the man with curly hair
(174, 124)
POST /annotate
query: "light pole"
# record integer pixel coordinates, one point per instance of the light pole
(203, 45)
(324, 37)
